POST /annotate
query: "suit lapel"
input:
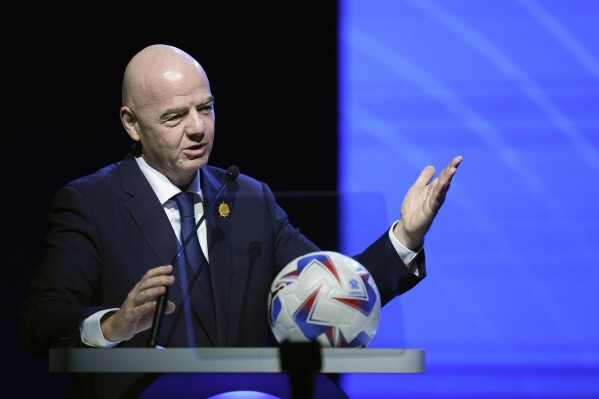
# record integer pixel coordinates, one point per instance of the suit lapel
(148, 214)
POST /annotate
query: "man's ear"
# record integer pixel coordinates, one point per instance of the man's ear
(129, 122)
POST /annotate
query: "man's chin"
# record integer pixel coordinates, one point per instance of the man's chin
(196, 164)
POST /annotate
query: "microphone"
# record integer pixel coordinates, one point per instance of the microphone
(230, 176)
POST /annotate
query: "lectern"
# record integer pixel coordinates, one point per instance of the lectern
(205, 372)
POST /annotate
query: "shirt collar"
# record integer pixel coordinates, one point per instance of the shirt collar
(162, 186)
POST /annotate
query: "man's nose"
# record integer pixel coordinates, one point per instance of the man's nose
(195, 123)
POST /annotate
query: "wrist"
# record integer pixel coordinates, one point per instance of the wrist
(106, 326)
(407, 240)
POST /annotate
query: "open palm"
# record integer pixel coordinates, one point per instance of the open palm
(422, 203)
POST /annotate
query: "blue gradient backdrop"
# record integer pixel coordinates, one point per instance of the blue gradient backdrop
(510, 308)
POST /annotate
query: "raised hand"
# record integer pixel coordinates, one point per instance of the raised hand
(422, 203)
(137, 311)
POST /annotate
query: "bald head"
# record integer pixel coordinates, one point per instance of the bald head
(154, 69)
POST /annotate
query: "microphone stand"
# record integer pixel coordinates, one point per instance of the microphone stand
(161, 302)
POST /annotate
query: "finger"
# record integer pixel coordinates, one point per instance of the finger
(141, 300)
(456, 161)
(156, 276)
(425, 176)
(136, 313)
(443, 183)
(159, 271)
(437, 186)
(147, 290)
(132, 313)
(155, 282)
(445, 177)
(447, 174)
(150, 295)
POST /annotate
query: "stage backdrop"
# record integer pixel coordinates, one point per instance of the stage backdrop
(509, 308)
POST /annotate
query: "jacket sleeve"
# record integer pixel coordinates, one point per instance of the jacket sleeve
(390, 273)
(62, 283)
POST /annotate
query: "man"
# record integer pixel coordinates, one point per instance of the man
(112, 234)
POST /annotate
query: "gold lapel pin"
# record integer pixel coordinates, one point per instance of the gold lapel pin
(223, 210)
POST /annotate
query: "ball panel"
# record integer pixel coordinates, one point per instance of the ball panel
(327, 297)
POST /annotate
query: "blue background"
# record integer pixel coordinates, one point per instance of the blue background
(509, 308)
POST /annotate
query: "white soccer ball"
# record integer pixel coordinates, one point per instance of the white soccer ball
(324, 296)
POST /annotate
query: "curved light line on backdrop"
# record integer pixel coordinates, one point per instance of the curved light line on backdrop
(503, 62)
(562, 35)
(379, 128)
(388, 57)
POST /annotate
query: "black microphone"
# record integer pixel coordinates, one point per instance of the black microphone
(161, 302)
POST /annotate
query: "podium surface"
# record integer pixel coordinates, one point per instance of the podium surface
(188, 373)
(228, 360)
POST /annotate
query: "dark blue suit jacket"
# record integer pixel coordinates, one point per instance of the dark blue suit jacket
(107, 229)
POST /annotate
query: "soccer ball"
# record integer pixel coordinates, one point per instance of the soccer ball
(327, 297)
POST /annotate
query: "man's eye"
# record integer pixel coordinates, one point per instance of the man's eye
(173, 118)
(207, 108)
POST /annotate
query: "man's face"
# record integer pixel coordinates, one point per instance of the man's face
(176, 124)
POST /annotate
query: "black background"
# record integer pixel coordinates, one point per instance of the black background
(273, 71)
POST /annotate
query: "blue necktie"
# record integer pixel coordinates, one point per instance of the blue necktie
(195, 263)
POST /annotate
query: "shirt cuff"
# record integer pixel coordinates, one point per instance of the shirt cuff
(406, 255)
(91, 331)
